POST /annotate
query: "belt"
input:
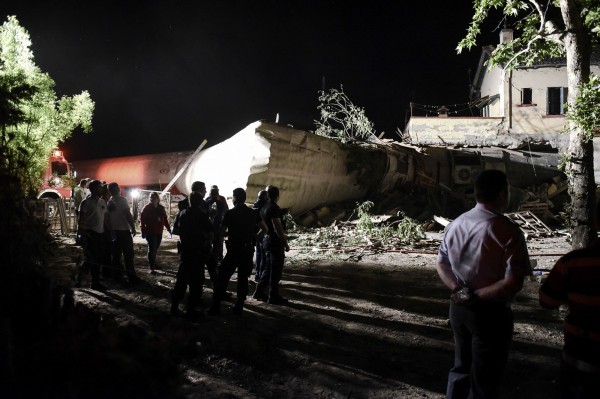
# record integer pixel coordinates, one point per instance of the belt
(580, 364)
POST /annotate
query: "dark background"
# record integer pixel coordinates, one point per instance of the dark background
(167, 74)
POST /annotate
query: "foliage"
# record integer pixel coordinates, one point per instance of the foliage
(33, 120)
(365, 222)
(539, 33)
(409, 230)
(341, 119)
(586, 110)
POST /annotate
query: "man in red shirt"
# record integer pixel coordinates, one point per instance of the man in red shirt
(575, 281)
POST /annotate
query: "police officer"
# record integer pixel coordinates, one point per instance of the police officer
(275, 245)
(239, 224)
(195, 233)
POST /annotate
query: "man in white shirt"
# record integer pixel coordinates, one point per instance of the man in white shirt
(123, 231)
(93, 220)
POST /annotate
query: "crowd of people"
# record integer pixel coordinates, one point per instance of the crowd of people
(106, 229)
(483, 260)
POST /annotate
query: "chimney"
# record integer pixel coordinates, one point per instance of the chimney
(443, 112)
(506, 35)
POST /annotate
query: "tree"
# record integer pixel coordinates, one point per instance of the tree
(553, 28)
(33, 120)
(341, 119)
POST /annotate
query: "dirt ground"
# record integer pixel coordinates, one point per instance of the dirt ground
(360, 324)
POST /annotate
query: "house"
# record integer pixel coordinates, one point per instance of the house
(525, 104)
(522, 110)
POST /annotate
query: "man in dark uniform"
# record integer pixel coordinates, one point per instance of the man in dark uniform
(275, 245)
(195, 233)
(211, 261)
(239, 224)
(217, 206)
(483, 260)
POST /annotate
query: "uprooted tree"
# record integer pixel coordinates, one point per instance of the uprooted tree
(341, 119)
(33, 120)
(546, 29)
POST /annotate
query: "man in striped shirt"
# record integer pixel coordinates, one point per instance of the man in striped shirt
(575, 281)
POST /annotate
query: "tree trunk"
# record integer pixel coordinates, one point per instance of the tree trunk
(581, 151)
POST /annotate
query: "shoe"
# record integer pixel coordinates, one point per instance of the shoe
(97, 287)
(214, 310)
(260, 296)
(277, 300)
(153, 272)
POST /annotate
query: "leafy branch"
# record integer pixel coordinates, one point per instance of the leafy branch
(341, 119)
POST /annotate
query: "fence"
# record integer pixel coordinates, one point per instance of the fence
(59, 214)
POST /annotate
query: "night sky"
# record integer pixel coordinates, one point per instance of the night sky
(167, 74)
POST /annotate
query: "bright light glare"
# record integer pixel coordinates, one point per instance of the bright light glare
(135, 193)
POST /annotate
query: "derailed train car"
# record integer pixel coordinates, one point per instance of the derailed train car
(313, 171)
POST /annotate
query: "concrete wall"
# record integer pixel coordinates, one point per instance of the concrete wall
(453, 130)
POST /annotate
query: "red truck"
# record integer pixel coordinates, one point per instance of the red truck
(58, 178)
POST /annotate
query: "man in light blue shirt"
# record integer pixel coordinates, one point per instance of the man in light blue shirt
(483, 260)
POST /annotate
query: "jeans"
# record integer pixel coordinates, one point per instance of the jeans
(123, 245)
(260, 260)
(154, 241)
(273, 267)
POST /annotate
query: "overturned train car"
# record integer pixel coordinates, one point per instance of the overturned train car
(313, 171)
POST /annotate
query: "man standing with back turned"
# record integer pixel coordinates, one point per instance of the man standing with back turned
(483, 259)
(574, 281)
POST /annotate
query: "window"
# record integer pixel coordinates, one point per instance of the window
(59, 168)
(557, 97)
(526, 96)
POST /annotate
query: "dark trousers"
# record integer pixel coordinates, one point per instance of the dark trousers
(239, 256)
(482, 336)
(93, 251)
(122, 245)
(273, 267)
(154, 241)
(190, 273)
(212, 264)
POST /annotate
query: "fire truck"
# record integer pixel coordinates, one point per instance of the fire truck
(57, 179)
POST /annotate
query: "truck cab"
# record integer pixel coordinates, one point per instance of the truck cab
(57, 178)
